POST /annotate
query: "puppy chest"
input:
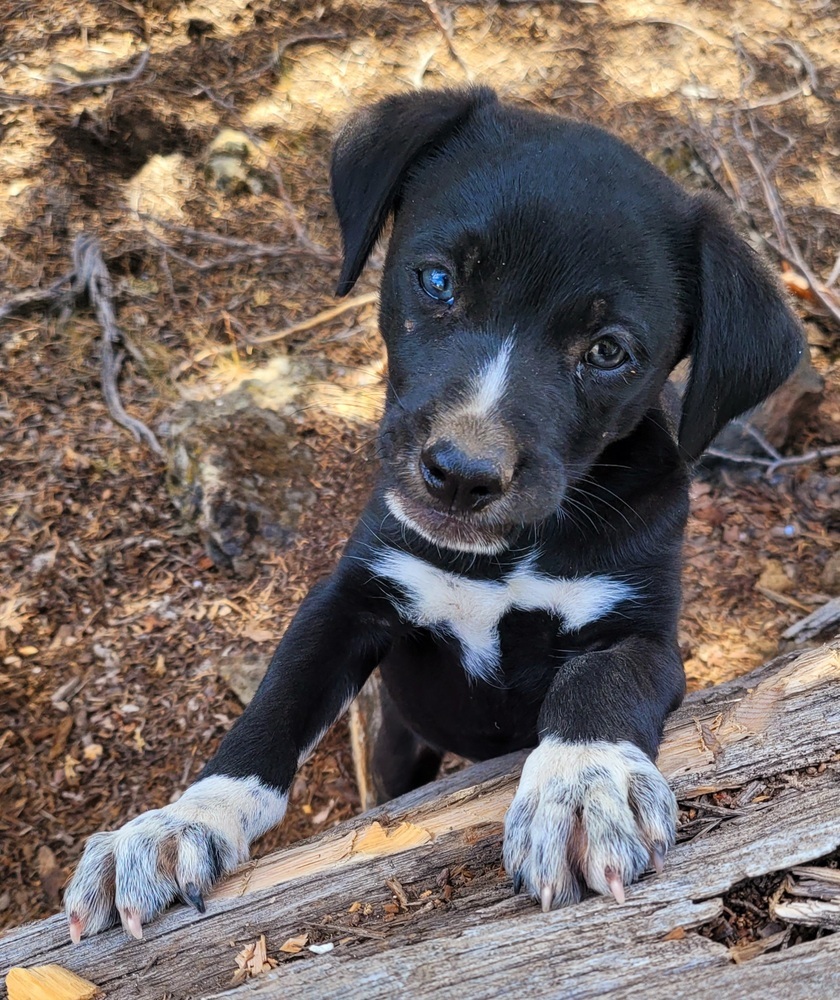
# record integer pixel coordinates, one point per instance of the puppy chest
(471, 610)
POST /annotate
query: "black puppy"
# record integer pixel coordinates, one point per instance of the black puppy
(516, 573)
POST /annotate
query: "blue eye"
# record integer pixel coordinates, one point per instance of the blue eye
(437, 282)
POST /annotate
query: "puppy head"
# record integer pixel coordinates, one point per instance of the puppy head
(541, 282)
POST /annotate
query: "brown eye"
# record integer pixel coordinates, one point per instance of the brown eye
(606, 354)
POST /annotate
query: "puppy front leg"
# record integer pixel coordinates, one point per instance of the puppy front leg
(179, 851)
(592, 808)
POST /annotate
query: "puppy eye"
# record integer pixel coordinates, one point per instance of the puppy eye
(437, 283)
(606, 353)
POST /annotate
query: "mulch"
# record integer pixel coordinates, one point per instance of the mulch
(113, 620)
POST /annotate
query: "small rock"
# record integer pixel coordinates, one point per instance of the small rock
(232, 164)
(831, 574)
(773, 577)
(782, 415)
(242, 674)
(238, 470)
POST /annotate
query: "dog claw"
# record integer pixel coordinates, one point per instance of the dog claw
(131, 922)
(517, 883)
(657, 859)
(77, 928)
(192, 895)
(616, 886)
(546, 898)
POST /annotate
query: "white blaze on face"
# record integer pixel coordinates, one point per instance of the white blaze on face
(488, 387)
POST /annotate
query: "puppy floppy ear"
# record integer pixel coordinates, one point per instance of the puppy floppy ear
(744, 341)
(373, 154)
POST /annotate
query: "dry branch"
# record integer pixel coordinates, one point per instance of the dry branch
(91, 275)
(445, 30)
(322, 317)
(782, 718)
(31, 298)
(107, 81)
(280, 51)
(771, 465)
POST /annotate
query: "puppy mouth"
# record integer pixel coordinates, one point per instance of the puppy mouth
(451, 531)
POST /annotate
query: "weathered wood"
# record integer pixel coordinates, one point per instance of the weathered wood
(785, 716)
(819, 621)
(594, 945)
(365, 720)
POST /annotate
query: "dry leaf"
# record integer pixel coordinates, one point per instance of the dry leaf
(257, 634)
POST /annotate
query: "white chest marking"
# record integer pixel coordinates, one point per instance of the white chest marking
(470, 610)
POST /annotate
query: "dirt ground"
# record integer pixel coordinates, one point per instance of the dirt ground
(113, 620)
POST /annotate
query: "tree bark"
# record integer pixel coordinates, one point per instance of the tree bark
(450, 926)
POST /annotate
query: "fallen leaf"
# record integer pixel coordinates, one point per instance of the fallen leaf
(256, 634)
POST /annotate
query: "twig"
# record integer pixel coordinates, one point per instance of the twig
(253, 249)
(322, 317)
(446, 31)
(280, 51)
(92, 276)
(756, 435)
(106, 81)
(810, 70)
(817, 455)
(256, 252)
(835, 273)
(710, 37)
(37, 296)
(772, 99)
(367, 932)
(789, 246)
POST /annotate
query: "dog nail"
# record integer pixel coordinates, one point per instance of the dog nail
(131, 922)
(657, 859)
(616, 886)
(192, 895)
(517, 883)
(546, 898)
(76, 928)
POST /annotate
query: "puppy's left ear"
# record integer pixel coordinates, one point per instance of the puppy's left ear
(375, 151)
(744, 341)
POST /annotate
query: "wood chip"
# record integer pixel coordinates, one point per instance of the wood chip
(294, 945)
(48, 982)
(253, 961)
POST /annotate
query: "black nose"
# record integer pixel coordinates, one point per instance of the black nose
(462, 482)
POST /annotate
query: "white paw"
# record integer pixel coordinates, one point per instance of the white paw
(177, 852)
(595, 813)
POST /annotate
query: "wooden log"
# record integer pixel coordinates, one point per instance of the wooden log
(783, 718)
